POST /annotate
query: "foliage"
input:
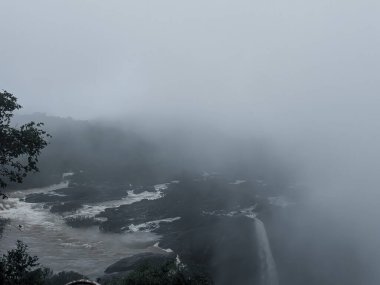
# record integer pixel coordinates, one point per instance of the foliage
(17, 267)
(19, 146)
(166, 274)
(63, 278)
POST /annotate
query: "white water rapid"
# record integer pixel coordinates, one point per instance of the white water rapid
(60, 247)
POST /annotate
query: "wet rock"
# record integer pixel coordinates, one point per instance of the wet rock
(133, 262)
(141, 189)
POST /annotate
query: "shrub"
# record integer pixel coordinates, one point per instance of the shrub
(166, 274)
(17, 267)
(63, 278)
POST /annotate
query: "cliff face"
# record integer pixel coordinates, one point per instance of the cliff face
(215, 232)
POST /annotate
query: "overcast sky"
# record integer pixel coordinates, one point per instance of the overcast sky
(261, 60)
(291, 69)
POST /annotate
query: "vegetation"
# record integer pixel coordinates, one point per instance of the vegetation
(168, 274)
(63, 278)
(18, 267)
(19, 146)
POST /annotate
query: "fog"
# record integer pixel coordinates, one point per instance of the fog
(297, 76)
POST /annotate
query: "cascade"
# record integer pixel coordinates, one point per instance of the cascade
(267, 264)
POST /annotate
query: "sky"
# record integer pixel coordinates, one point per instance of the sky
(245, 60)
(305, 74)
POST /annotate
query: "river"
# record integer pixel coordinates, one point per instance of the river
(60, 247)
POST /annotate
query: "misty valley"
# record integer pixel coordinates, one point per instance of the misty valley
(189, 142)
(111, 198)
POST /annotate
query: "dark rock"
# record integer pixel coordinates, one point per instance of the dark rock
(224, 246)
(207, 238)
(188, 198)
(81, 221)
(141, 189)
(44, 198)
(65, 207)
(133, 262)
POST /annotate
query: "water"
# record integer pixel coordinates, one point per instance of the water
(267, 264)
(89, 251)
(60, 247)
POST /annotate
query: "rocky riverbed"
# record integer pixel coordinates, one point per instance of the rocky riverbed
(207, 222)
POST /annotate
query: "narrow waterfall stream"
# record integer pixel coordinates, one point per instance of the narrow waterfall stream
(267, 264)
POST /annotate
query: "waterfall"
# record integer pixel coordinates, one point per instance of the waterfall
(267, 264)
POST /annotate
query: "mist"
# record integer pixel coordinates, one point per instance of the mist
(209, 82)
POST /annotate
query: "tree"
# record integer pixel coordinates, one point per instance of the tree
(17, 267)
(168, 273)
(19, 146)
(65, 277)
